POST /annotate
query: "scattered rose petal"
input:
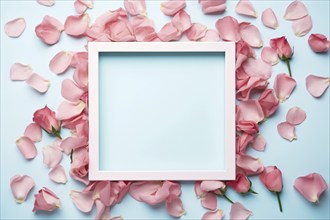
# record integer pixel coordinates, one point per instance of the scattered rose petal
(57, 174)
(258, 68)
(68, 110)
(135, 7)
(302, 26)
(211, 185)
(15, 28)
(250, 34)
(174, 206)
(295, 10)
(249, 127)
(295, 116)
(46, 200)
(269, 55)
(83, 200)
(49, 31)
(70, 91)
(316, 85)
(76, 25)
(287, 131)
(33, 131)
(182, 21)
(268, 102)
(228, 29)
(169, 33)
(52, 156)
(82, 5)
(171, 7)
(26, 147)
(196, 32)
(250, 110)
(209, 200)
(210, 36)
(38, 83)
(21, 186)
(248, 164)
(269, 19)
(213, 6)
(259, 143)
(20, 71)
(61, 62)
(319, 43)
(311, 186)
(213, 215)
(283, 86)
(47, 3)
(72, 143)
(238, 211)
(245, 7)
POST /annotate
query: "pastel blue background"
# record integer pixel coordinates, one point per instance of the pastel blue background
(310, 153)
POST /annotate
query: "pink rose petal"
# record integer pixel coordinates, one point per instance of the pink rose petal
(46, 200)
(20, 71)
(302, 26)
(33, 131)
(316, 85)
(82, 5)
(245, 7)
(268, 102)
(250, 165)
(295, 10)
(283, 86)
(319, 43)
(250, 110)
(57, 174)
(258, 68)
(269, 18)
(21, 186)
(213, 6)
(259, 143)
(47, 3)
(196, 32)
(135, 7)
(212, 185)
(311, 186)
(174, 206)
(61, 62)
(182, 21)
(295, 116)
(210, 36)
(70, 91)
(38, 83)
(76, 25)
(15, 28)
(269, 55)
(49, 30)
(209, 200)
(72, 143)
(213, 215)
(228, 29)
(169, 33)
(250, 34)
(52, 156)
(83, 200)
(171, 7)
(68, 110)
(26, 147)
(238, 211)
(287, 131)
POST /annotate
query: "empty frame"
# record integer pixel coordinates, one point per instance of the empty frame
(161, 111)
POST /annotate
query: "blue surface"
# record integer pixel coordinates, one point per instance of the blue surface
(310, 153)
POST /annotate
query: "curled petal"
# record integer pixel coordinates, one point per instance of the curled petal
(248, 164)
(269, 18)
(52, 156)
(57, 174)
(20, 71)
(269, 55)
(38, 83)
(82, 5)
(46, 200)
(135, 7)
(83, 200)
(283, 86)
(250, 34)
(15, 28)
(259, 143)
(76, 25)
(268, 102)
(213, 215)
(228, 29)
(250, 110)
(68, 110)
(210, 36)
(245, 7)
(70, 91)
(171, 7)
(49, 30)
(72, 143)
(33, 131)
(295, 116)
(209, 201)
(302, 26)
(196, 32)
(319, 43)
(198, 191)
(61, 62)
(295, 10)
(238, 211)
(169, 33)
(213, 6)
(26, 147)
(21, 186)
(212, 185)
(316, 85)
(47, 3)
(174, 206)
(182, 21)
(287, 131)
(311, 186)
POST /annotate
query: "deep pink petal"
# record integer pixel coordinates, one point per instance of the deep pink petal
(316, 85)
(47, 3)
(70, 91)
(15, 28)
(287, 131)
(213, 6)
(57, 174)
(213, 215)
(302, 26)
(38, 83)
(83, 200)
(76, 25)
(26, 147)
(198, 191)
(269, 18)
(72, 143)
(171, 7)
(295, 116)
(169, 33)
(135, 7)
(182, 21)
(20, 71)
(269, 55)
(271, 177)
(259, 143)
(295, 10)
(210, 36)
(248, 164)
(250, 110)
(319, 43)
(61, 62)
(250, 34)
(238, 211)
(228, 29)
(21, 186)
(33, 131)
(245, 7)
(196, 32)
(283, 86)
(268, 102)
(209, 200)
(174, 206)
(49, 30)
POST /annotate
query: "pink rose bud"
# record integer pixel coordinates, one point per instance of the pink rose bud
(282, 47)
(241, 185)
(46, 200)
(319, 43)
(46, 119)
(271, 177)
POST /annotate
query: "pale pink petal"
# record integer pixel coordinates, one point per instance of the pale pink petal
(15, 28)
(295, 10)
(196, 32)
(38, 83)
(182, 21)
(33, 131)
(174, 206)
(76, 25)
(248, 164)
(283, 86)
(72, 143)
(250, 34)
(210, 36)
(135, 7)
(101, 210)
(213, 6)
(20, 71)
(68, 110)
(238, 211)
(142, 191)
(169, 33)
(316, 85)
(80, 7)
(302, 26)
(212, 185)
(49, 30)
(311, 186)
(250, 110)
(47, 3)
(70, 91)
(287, 131)
(57, 174)
(198, 191)
(26, 147)
(319, 43)
(21, 186)
(259, 143)
(52, 156)
(295, 116)
(171, 7)
(228, 29)
(245, 7)
(269, 19)
(83, 200)
(61, 62)
(213, 215)
(269, 55)
(209, 200)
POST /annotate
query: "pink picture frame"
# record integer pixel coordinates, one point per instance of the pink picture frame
(228, 48)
